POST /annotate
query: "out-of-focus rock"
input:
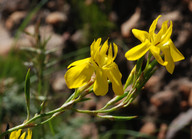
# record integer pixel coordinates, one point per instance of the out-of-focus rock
(162, 131)
(52, 4)
(59, 21)
(113, 17)
(159, 98)
(100, 1)
(190, 5)
(148, 128)
(185, 89)
(57, 5)
(5, 41)
(184, 35)
(56, 18)
(88, 2)
(55, 42)
(91, 104)
(78, 37)
(184, 105)
(181, 121)
(153, 84)
(165, 101)
(130, 23)
(58, 83)
(173, 16)
(102, 102)
(182, 87)
(179, 85)
(89, 131)
(190, 99)
(10, 6)
(15, 19)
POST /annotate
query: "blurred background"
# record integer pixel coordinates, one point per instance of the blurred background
(47, 35)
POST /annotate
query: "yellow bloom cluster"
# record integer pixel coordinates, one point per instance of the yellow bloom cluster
(17, 134)
(156, 43)
(102, 65)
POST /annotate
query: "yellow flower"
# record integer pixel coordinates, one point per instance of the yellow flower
(101, 63)
(16, 134)
(157, 44)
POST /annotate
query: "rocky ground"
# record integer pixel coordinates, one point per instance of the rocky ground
(164, 107)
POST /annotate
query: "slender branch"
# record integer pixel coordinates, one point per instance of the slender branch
(29, 123)
(94, 112)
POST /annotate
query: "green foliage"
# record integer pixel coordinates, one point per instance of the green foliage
(12, 105)
(71, 129)
(45, 104)
(27, 86)
(92, 19)
(27, 92)
(64, 127)
(12, 66)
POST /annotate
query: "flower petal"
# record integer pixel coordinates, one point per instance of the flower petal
(100, 86)
(101, 57)
(92, 48)
(156, 53)
(110, 52)
(29, 134)
(115, 47)
(160, 33)
(175, 53)
(104, 48)
(107, 59)
(141, 35)
(170, 66)
(78, 62)
(114, 76)
(137, 51)
(13, 134)
(95, 46)
(153, 26)
(80, 74)
(166, 36)
(164, 26)
(23, 136)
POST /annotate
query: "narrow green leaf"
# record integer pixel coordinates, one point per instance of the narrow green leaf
(27, 92)
(110, 117)
(27, 85)
(84, 99)
(130, 78)
(139, 65)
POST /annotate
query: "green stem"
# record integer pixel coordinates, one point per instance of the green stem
(29, 123)
(128, 97)
(114, 100)
(82, 91)
(28, 113)
(130, 78)
(94, 112)
(54, 113)
(137, 72)
(150, 67)
(140, 81)
(148, 60)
